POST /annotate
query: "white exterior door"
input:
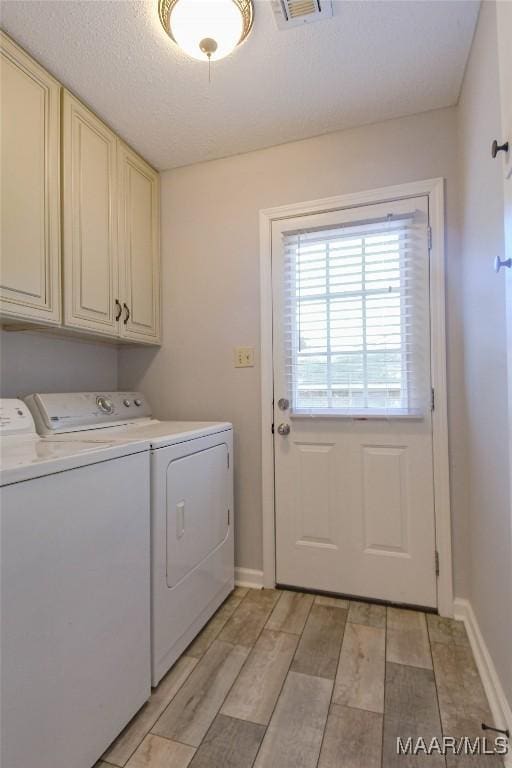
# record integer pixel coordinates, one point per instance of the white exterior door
(354, 498)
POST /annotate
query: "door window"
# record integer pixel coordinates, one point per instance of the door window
(356, 319)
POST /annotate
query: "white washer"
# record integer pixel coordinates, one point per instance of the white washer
(75, 575)
(192, 549)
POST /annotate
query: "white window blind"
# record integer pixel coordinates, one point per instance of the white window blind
(356, 324)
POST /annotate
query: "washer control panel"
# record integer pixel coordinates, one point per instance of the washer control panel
(74, 411)
(105, 404)
(15, 418)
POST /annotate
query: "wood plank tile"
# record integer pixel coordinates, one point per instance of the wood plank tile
(290, 612)
(331, 602)
(394, 728)
(319, 647)
(360, 678)
(462, 698)
(229, 743)
(130, 738)
(411, 710)
(258, 685)
(155, 752)
(353, 739)
(372, 614)
(211, 631)
(240, 592)
(441, 630)
(193, 709)
(294, 736)
(411, 695)
(407, 638)
(248, 620)
(268, 597)
(474, 761)
(462, 727)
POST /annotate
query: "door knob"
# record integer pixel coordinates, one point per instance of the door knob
(284, 429)
(495, 148)
(499, 263)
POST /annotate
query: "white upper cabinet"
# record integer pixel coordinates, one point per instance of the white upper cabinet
(30, 189)
(139, 247)
(89, 211)
(110, 231)
(109, 206)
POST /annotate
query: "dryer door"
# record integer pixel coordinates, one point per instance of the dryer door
(197, 509)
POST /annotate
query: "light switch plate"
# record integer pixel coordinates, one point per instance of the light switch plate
(244, 357)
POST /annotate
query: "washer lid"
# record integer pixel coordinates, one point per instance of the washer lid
(27, 457)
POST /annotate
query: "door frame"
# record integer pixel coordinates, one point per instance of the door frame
(434, 189)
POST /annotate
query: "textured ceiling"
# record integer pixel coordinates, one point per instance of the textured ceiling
(373, 61)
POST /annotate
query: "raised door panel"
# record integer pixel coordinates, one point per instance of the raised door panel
(89, 221)
(384, 498)
(30, 189)
(139, 247)
(316, 515)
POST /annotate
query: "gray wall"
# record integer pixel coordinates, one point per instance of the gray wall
(39, 362)
(485, 347)
(210, 254)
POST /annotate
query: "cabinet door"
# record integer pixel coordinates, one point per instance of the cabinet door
(89, 220)
(30, 190)
(139, 247)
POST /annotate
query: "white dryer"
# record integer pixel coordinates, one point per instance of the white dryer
(192, 543)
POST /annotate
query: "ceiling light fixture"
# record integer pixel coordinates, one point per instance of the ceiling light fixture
(207, 29)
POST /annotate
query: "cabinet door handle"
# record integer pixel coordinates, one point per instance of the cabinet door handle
(127, 313)
(119, 310)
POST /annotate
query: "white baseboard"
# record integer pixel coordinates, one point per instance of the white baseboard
(245, 577)
(500, 707)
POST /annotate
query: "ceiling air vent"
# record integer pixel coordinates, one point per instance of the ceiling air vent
(292, 13)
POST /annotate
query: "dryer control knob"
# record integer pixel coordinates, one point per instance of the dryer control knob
(137, 402)
(127, 402)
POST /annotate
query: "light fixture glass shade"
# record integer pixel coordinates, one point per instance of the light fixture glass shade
(198, 25)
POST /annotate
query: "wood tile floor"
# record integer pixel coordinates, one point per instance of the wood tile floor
(281, 679)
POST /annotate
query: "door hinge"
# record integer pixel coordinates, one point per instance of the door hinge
(272, 428)
(432, 399)
(228, 459)
(429, 237)
(437, 562)
(229, 517)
